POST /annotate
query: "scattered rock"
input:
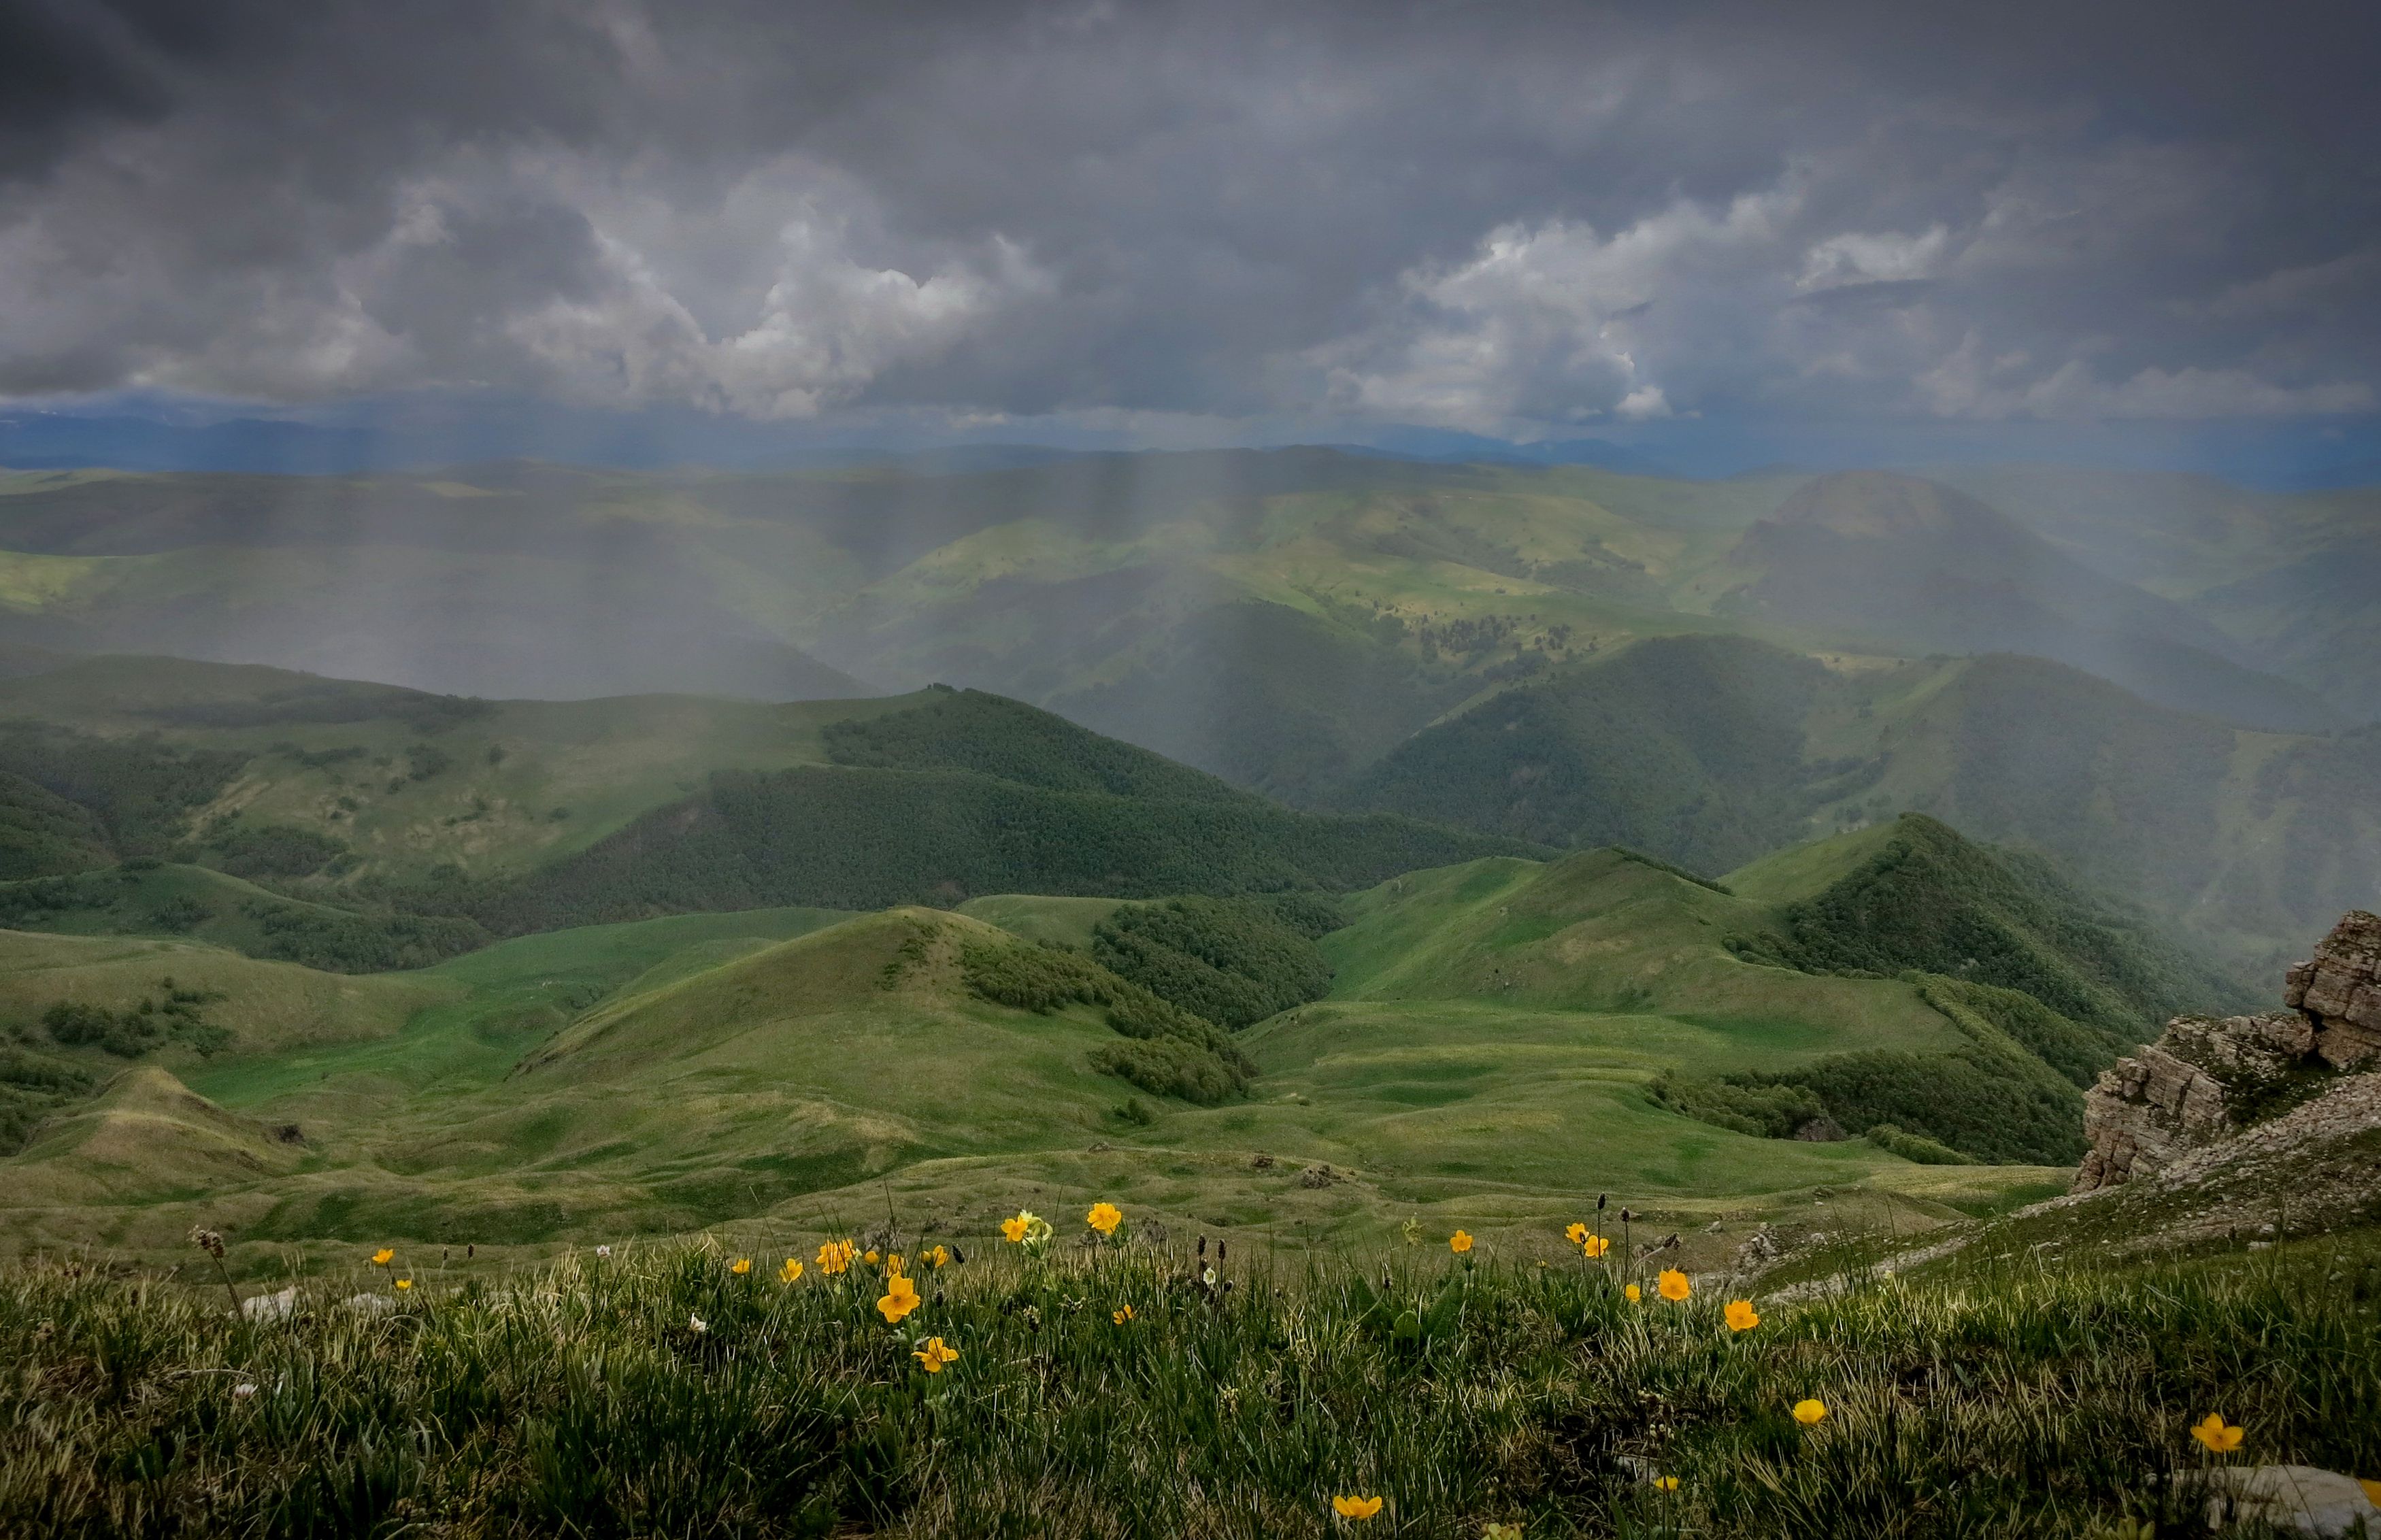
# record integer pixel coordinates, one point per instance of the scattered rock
(270, 1307)
(2299, 1500)
(1097, 1147)
(1760, 1249)
(1260, 1161)
(1318, 1176)
(372, 1304)
(1821, 1130)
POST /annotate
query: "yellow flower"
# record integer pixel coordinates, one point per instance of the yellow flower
(933, 1355)
(2219, 1438)
(869, 1259)
(900, 1297)
(1632, 1293)
(1740, 1316)
(834, 1256)
(1576, 1234)
(893, 1264)
(1501, 1531)
(1359, 1508)
(1123, 1315)
(1674, 1286)
(407, 1283)
(382, 1257)
(1666, 1483)
(740, 1267)
(940, 1256)
(1809, 1413)
(790, 1271)
(1594, 1246)
(1104, 1217)
(1459, 1242)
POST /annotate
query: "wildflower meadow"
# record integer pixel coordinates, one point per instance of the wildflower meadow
(1085, 1381)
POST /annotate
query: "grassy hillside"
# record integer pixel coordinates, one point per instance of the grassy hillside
(149, 898)
(360, 827)
(1923, 897)
(371, 780)
(1910, 979)
(1693, 746)
(1712, 751)
(653, 1077)
(966, 794)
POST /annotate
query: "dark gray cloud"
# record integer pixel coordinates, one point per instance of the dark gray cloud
(1507, 217)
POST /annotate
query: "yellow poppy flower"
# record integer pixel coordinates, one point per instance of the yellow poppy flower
(1123, 1315)
(740, 1267)
(1594, 1246)
(1740, 1316)
(940, 1256)
(900, 1297)
(382, 1257)
(2219, 1437)
(1632, 1293)
(893, 1264)
(1674, 1285)
(1666, 1483)
(1357, 1508)
(1809, 1413)
(869, 1259)
(1576, 1233)
(790, 1271)
(1459, 1242)
(1104, 1217)
(834, 1256)
(933, 1355)
(405, 1283)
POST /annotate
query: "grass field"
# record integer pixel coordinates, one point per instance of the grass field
(1157, 1386)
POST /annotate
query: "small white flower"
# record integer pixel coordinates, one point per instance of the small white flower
(697, 1325)
(1208, 1277)
(603, 1251)
(243, 1390)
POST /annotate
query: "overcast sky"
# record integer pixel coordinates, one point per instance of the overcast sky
(1172, 222)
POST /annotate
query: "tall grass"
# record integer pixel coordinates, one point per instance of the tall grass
(582, 1400)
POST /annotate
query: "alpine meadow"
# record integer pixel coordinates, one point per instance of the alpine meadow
(1189, 770)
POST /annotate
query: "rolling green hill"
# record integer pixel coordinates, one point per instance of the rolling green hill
(657, 1076)
(361, 826)
(1712, 751)
(1904, 976)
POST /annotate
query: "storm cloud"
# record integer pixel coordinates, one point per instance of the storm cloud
(1511, 218)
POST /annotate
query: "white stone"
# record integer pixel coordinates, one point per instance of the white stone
(2297, 1498)
(270, 1307)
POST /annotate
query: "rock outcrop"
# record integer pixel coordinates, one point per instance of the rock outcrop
(2204, 1080)
(2339, 990)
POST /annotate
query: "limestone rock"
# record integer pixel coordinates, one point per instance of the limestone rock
(2170, 1098)
(2296, 1499)
(270, 1307)
(2338, 991)
(2202, 1079)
